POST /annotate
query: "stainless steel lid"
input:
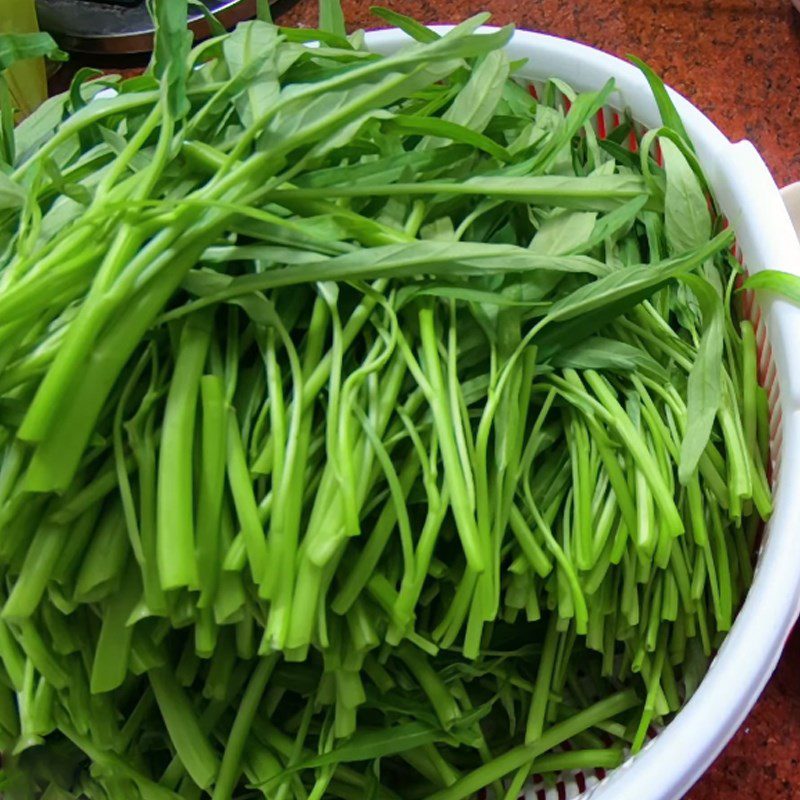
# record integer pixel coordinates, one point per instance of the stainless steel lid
(120, 26)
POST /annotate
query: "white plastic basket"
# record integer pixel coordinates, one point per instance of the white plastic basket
(746, 194)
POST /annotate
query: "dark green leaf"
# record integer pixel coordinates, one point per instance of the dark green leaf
(173, 40)
(12, 195)
(7, 141)
(406, 24)
(84, 74)
(593, 193)
(331, 18)
(214, 25)
(250, 53)
(192, 747)
(610, 225)
(428, 257)
(704, 390)
(631, 281)
(601, 353)
(586, 310)
(386, 170)
(263, 11)
(564, 232)
(687, 221)
(304, 35)
(669, 114)
(444, 129)
(369, 745)
(475, 105)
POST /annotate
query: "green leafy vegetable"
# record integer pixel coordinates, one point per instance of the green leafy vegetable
(784, 284)
(16, 47)
(669, 114)
(368, 428)
(171, 50)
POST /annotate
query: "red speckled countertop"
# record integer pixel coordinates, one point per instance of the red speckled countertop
(739, 62)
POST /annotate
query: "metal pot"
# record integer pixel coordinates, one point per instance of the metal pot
(121, 26)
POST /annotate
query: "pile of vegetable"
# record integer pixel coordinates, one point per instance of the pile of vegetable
(369, 426)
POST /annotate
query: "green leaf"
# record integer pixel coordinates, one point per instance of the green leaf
(274, 254)
(593, 193)
(601, 353)
(469, 295)
(406, 24)
(84, 74)
(16, 47)
(75, 191)
(442, 128)
(191, 745)
(331, 18)
(173, 41)
(7, 141)
(784, 284)
(581, 112)
(591, 306)
(263, 11)
(476, 103)
(687, 222)
(669, 114)
(611, 225)
(41, 125)
(303, 118)
(305, 35)
(632, 280)
(369, 745)
(517, 102)
(250, 52)
(402, 260)
(214, 25)
(704, 390)
(12, 195)
(564, 232)
(387, 170)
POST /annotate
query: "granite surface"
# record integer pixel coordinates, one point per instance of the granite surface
(739, 62)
